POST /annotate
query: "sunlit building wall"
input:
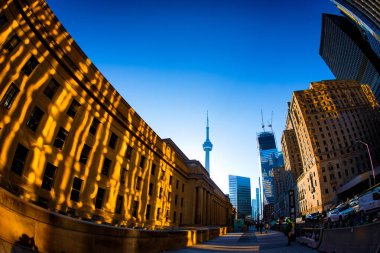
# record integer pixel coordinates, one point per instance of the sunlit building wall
(70, 143)
(348, 54)
(327, 119)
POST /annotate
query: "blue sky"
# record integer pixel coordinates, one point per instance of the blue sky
(174, 60)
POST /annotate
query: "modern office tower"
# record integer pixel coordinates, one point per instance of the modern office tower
(347, 54)
(366, 15)
(269, 158)
(240, 195)
(327, 120)
(258, 205)
(207, 147)
(70, 143)
(254, 209)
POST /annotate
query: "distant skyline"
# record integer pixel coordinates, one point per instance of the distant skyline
(174, 60)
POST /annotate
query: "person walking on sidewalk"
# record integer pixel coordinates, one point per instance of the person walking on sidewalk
(288, 230)
(266, 227)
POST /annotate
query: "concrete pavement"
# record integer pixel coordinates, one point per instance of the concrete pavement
(248, 242)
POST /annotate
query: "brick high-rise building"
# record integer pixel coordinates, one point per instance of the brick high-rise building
(327, 119)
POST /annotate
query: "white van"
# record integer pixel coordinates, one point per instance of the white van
(370, 201)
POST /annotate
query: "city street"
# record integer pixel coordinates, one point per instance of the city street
(248, 242)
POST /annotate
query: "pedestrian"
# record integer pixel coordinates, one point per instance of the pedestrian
(288, 230)
(266, 227)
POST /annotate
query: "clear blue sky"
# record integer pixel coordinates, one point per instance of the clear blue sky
(174, 60)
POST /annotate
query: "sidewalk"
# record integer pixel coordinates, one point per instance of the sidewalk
(248, 242)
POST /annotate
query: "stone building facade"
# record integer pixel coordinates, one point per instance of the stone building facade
(327, 120)
(70, 143)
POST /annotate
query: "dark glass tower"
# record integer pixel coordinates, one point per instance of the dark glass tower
(240, 195)
(347, 54)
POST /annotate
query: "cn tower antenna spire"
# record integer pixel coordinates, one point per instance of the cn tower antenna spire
(207, 146)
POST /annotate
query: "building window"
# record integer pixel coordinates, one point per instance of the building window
(181, 202)
(61, 137)
(10, 95)
(99, 198)
(160, 193)
(48, 180)
(183, 187)
(75, 190)
(175, 199)
(170, 180)
(151, 186)
(106, 166)
(30, 65)
(135, 208)
(12, 43)
(138, 183)
(142, 162)
(94, 126)
(147, 213)
(19, 159)
(119, 204)
(177, 184)
(113, 141)
(153, 171)
(167, 215)
(51, 88)
(3, 20)
(174, 217)
(74, 106)
(35, 118)
(85, 153)
(180, 218)
(128, 153)
(123, 172)
(158, 213)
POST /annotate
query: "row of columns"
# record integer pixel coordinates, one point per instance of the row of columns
(207, 209)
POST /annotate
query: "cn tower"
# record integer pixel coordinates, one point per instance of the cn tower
(207, 147)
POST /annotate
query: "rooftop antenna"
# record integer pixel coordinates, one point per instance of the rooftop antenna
(271, 121)
(262, 121)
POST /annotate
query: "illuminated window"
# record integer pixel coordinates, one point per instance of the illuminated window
(147, 213)
(151, 186)
(75, 190)
(99, 198)
(12, 43)
(74, 106)
(3, 20)
(153, 171)
(113, 141)
(85, 153)
(19, 159)
(138, 183)
(51, 88)
(9, 96)
(35, 118)
(106, 166)
(123, 172)
(61, 137)
(94, 126)
(119, 204)
(48, 180)
(142, 162)
(30, 65)
(135, 208)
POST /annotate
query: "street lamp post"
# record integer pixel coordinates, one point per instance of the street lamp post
(370, 159)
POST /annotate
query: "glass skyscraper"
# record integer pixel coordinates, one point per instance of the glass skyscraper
(269, 158)
(240, 195)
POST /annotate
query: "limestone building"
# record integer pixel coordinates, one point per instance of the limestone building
(70, 143)
(326, 120)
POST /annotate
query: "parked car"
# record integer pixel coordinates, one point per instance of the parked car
(354, 203)
(339, 213)
(370, 201)
(313, 216)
